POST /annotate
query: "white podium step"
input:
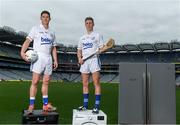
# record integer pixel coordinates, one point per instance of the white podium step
(88, 118)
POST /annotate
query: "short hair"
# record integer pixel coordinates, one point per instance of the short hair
(89, 18)
(45, 12)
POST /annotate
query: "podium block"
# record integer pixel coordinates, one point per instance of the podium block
(40, 117)
(88, 118)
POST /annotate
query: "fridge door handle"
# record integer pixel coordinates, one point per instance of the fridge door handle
(144, 97)
(148, 98)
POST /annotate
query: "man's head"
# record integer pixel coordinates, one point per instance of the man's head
(45, 17)
(89, 23)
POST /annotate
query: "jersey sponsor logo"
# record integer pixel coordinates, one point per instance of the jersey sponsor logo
(46, 41)
(87, 45)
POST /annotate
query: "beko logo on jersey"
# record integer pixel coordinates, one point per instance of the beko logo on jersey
(87, 45)
(45, 41)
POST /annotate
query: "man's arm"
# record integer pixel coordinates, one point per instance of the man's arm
(54, 54)
(24, 48)
(79, 55)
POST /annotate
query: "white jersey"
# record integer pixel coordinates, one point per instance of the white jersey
(44, 39)
(89, 43)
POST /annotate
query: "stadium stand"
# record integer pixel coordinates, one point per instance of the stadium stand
(12, 67)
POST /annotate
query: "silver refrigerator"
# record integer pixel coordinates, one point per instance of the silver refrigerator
(147, 93)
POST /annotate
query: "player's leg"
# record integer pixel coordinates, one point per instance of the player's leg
(96, 82)
(33, 90)
(44, 89)
(36, 69)
(85, 81)
(95, 67)
(46, 79)
(46, 105)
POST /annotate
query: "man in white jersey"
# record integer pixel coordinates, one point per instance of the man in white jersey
(44, 44)
(88, 44)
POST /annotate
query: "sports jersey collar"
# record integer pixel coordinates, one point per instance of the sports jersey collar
(43, 27)
(90, 33)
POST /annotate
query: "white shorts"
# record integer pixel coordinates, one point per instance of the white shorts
(91, 65)
(42, 65)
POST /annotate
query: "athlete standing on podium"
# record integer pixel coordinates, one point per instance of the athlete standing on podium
(88, 44)
(44, 44)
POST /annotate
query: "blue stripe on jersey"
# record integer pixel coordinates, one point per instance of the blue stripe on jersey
(45, 43)
(87, 47)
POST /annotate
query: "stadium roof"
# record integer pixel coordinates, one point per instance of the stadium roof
(9, 35)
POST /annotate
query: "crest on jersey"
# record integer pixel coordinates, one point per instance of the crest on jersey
(51, 35)
(92, 38)
(41, 32)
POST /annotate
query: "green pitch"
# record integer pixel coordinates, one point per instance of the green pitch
(14, 97)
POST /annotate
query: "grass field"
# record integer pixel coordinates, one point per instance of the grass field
(14, 97)
(66, 96)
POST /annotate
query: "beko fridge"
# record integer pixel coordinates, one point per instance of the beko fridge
(147, 93)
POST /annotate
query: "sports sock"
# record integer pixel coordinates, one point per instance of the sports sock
(45, 99)
(31, 100)
(97, 101)
(86, 100)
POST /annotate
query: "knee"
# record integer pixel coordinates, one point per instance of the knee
(33, 85)
(34, 82)
(96, 82)
(46, 80)
(85, 85)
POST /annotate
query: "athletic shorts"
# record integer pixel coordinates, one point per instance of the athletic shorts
(43, 65)
(91, 65)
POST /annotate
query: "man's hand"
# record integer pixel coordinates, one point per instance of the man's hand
(23, 55)
(80, 61)
(55, 65)
(24, 48)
